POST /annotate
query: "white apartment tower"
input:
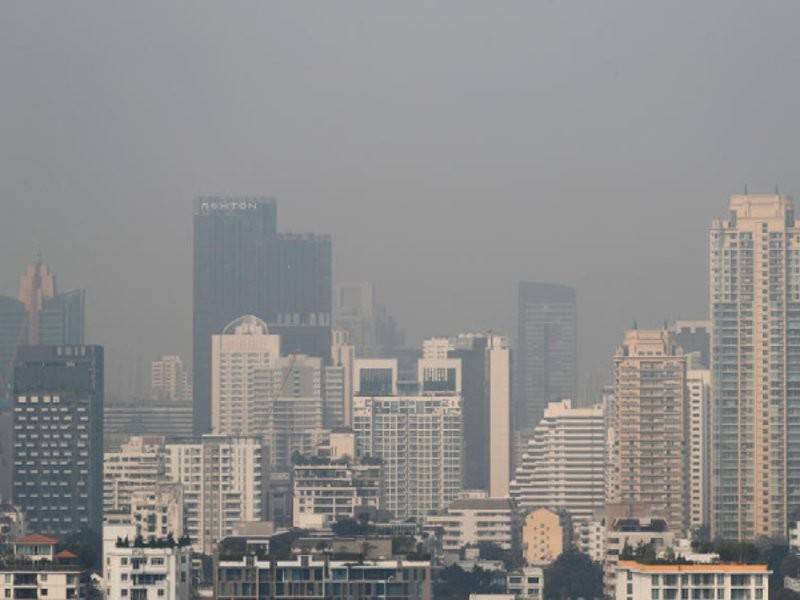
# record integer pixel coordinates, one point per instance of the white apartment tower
(224, 480)
(416, 432)
(650, 453)
(754, 301)
(563, 467)
(699, 395)
(138, 465)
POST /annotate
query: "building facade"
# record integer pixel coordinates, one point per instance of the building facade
(169, 379)
(58, 427)
(546, 534)
(564, 466)
(472, 521)
(698, 383)
(547, 349)
(651, 424)
(754, 298)
(35, 570)
(224, 481)
(138, 465)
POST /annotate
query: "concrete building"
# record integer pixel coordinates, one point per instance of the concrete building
(58, 430)
(636, 580)
(35, 570)
(547, 349)
(546, 534)
(698, 383)
(343, 354)
(283, 279)
(138, 465)
(224, 481)
(472, 521)
(169, 379)
(651, 424)
(526, 583)
(754, 296)
(564, 465)
(589, 536)
(148, 570)
(158, 511)
(333, 485)
(417, 433)
(144, 417)
(486, 389)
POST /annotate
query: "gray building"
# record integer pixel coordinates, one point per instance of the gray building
(58, 423)
(242, 266)
(547, 349)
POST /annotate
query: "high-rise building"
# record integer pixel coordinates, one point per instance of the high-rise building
(698, 382)
(651, 423)
(58, 425)
(137, 465)
(224, 481)
(343, 355)
(755, 359)
(694, 337)
(355, 311)
(547, 349)
(563, 467)
(169, 380)
(13, 333)
(486, 389)
(53, 319)
(416, 432)
(243, 266)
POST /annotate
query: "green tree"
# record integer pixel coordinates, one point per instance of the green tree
(573, 575)
(85, 544)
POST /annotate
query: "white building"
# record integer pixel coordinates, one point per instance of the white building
(224, 481)
(137, 465)
(589, 536)
(564, 465)
(698, 382)
(343, 354)
(158, 511)
(145, 571)
(471, 521)
(169, 380)
(636, 581)
(417, 434)
(35, 570)
(526, 583)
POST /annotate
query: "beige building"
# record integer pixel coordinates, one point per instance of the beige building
(699, 397)
(650, 423)
(754, 296)
(169, 380)
(158, 511)
(138, 465)
(545, 536)
(472, 521)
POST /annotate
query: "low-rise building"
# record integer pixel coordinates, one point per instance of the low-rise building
(545, 535)
(157, 569)
(471, 521)
(526, 583)
(36, 570)
(636, 581)
(589, 536)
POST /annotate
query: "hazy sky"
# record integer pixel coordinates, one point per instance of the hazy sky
(452, 148)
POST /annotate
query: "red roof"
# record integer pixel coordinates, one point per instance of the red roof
(36, 538)
(65, 554)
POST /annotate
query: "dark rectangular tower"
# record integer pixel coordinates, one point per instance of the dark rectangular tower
(58, 445)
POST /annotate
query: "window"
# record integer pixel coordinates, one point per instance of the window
(43, 591)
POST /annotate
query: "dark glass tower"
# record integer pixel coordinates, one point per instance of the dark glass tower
(242, 266)
(13, 320)
(61, 320)
(58, 450)
(547, 354)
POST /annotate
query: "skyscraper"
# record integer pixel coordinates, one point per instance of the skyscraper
(563, 467)
(650, 422)
(243, 266)
(755, 360)
(13, 333)
(58, 422)
(169, 379)
(53, 319)
(547, 353)
(486, 389)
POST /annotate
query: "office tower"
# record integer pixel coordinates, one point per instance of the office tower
(237, 355)
(695, 337)
(13, 333)
(547, 354)
(355, 311)
(53, 318)
(169, 380)
(137, 465)
(650, 454)
(416, 432)
(58, 421)
(224, 481)
(563, 467)
(486, 389)
(698, 382)
(755, 299)
(343, 355)
(243, 266)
